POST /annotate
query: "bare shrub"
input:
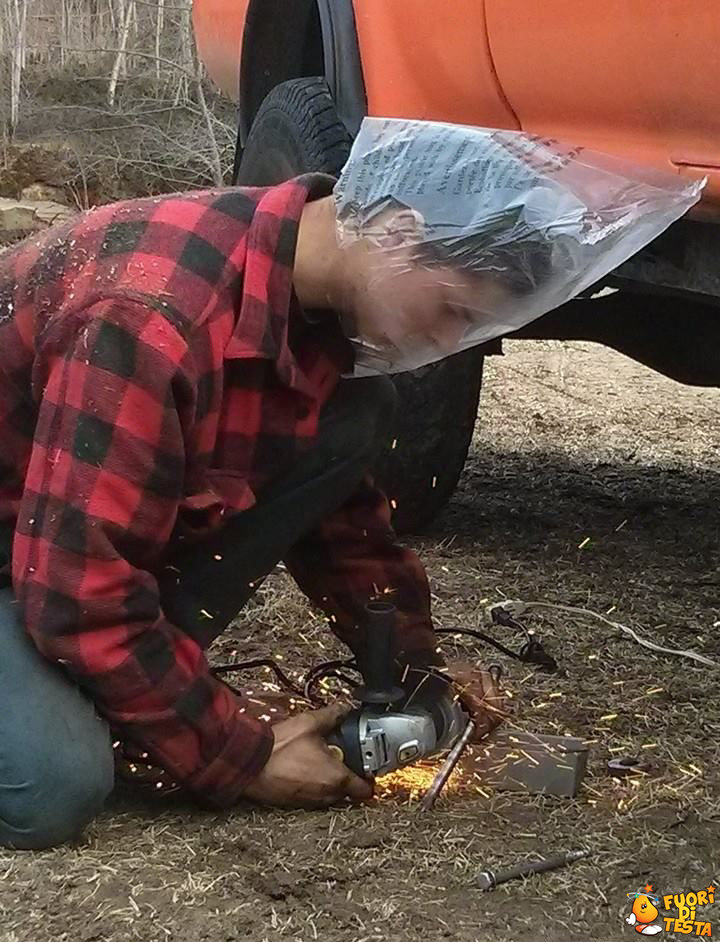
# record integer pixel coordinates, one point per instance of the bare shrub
(113, 89)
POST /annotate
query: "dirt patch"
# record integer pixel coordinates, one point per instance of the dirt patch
(593, 483)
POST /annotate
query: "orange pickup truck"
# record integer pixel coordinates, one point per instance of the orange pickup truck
(631, 77)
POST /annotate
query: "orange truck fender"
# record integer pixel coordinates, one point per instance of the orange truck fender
(631, 78)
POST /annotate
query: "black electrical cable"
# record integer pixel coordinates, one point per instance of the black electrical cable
(348, 681)
(328, 669)
(531, 652)
(303, 688)
(479, 636)
(258, 662)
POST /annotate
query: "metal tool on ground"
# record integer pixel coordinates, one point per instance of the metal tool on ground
(489, 879)
(398, 722)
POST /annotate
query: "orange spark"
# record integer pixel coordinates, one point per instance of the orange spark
(413, 781)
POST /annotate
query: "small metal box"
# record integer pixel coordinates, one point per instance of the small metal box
(521, 761)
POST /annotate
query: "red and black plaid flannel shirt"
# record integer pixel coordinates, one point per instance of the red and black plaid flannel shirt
(144, 357)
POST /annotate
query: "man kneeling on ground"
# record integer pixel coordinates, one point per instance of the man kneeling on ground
(175, 420)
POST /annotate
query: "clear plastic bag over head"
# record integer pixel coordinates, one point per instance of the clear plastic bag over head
(457, 235)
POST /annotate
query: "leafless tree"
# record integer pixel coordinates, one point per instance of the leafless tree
(159, 24)
(18, 51)
(119, 64)
(155, 86)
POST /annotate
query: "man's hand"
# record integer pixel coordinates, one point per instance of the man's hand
(301, 771)
(480, 694)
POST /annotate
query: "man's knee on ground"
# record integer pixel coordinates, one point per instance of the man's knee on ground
(54, 797)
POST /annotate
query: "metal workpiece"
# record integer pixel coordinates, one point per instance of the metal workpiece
(488, 879)
(431, 795)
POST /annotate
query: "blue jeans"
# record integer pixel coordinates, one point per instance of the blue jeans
(56, 762)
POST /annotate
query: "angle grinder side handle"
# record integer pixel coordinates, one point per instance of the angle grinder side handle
(344, 742)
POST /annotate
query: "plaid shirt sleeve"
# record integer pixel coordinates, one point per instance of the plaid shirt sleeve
(101, 497)
(353, 557)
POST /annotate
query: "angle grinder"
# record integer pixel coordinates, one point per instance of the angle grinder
(404, 714)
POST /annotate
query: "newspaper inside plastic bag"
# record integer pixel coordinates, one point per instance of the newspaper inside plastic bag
(527, 222)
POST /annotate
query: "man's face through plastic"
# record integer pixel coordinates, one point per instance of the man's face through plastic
(400, 309)
(456, 235)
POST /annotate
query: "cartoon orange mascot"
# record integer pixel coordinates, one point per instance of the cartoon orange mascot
(644, 912)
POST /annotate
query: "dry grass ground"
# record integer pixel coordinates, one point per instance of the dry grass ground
(573, 443)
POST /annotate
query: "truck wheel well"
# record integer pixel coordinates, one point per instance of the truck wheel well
(288, 39)
(282, 40)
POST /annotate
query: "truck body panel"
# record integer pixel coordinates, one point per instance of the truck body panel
(218, 27)
(438, 68)
(629, 77)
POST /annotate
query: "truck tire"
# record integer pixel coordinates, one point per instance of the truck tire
(297, 130)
